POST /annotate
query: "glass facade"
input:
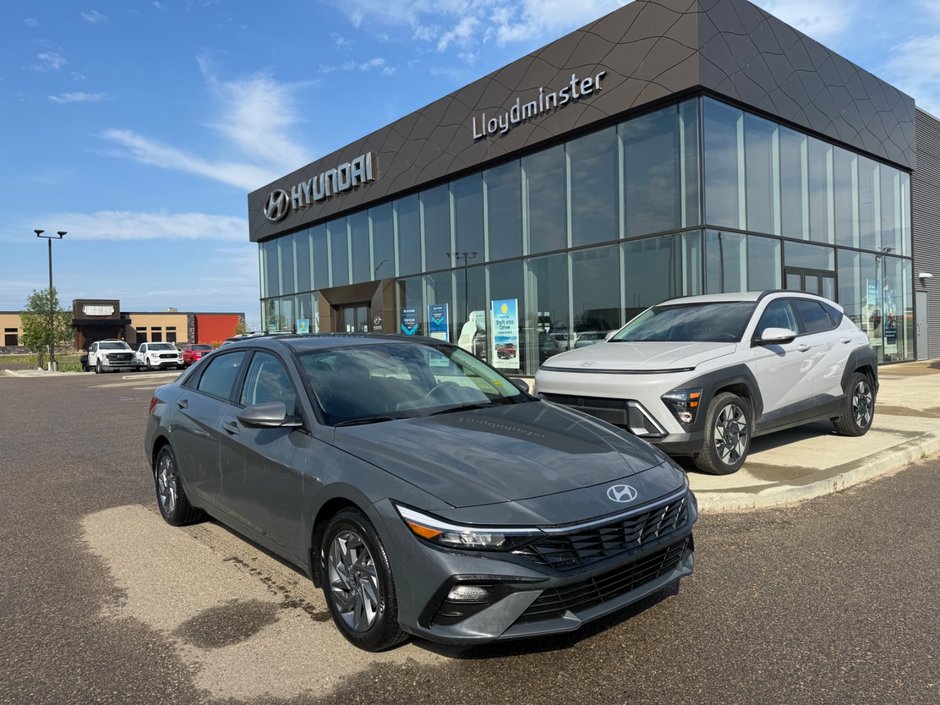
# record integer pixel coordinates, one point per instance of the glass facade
(575, 239)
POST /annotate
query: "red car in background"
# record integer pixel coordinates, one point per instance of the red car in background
(193, 352)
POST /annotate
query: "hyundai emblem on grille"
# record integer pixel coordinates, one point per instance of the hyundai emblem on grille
(621, 493)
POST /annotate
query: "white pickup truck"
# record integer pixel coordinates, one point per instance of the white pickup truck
(158, 356)
(107, 355)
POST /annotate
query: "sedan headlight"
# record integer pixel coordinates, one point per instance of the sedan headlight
(683, 403)
(442, 533)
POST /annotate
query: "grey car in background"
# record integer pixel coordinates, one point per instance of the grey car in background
(423, 491)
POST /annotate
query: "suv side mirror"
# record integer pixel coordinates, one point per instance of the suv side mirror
(776, 336)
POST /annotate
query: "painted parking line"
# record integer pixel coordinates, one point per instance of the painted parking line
(250, 625)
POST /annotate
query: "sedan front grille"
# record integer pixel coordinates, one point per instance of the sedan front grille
(555, 602)
(565, 551)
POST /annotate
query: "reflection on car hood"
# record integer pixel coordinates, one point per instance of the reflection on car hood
(641, 356)
(499, 453)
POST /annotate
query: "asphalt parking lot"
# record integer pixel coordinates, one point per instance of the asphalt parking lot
(831, 601)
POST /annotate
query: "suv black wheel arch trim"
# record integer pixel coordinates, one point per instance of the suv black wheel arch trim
(737, 379)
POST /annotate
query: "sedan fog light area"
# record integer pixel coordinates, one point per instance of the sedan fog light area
(466, 599)
(442, 533)
(683, 403)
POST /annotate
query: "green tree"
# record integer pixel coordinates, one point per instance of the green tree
(40, 330)
(240, 327)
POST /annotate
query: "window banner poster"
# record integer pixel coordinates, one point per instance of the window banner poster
(871, 314)
(505, 319)
(890, 323)
(438, 323)
(303, 326)
(409, 321)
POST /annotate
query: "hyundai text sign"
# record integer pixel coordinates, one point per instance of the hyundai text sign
(333, 181)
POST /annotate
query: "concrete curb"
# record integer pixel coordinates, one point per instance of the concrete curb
(837, 479)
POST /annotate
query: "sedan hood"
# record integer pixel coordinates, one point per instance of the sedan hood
(499, 454)
(640, 357)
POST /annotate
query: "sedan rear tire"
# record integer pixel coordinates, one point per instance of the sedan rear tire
(171, 498)
(727, 435)
(357, 583)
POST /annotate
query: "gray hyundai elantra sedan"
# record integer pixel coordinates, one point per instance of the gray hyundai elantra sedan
(425, 492)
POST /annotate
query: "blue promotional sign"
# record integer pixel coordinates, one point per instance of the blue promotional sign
(505, 316)
(409, 321)
(303, 326)
(438, 322)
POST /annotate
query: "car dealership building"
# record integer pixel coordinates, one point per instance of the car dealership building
(671, 148)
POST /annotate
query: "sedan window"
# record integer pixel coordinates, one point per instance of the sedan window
(266, 382)
(218, 379)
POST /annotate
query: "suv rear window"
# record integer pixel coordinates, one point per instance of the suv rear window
(814, 316)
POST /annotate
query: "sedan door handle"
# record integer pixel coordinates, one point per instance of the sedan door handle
(230, 427)
(182, 403)
(802, 347)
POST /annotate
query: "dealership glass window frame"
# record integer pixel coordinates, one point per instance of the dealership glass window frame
(698, 197)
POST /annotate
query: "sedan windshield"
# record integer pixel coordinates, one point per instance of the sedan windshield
(380, 382)
(705, 322)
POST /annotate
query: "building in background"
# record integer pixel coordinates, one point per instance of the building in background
(671, 148)
(97, 319)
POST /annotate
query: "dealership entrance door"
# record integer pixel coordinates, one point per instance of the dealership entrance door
(812, 281)
(353, 318)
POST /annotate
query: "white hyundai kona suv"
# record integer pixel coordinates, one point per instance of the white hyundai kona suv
(702, 375)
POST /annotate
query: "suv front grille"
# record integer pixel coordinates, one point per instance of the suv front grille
(586, 546)
(120, 357)
(624, 413)
(555, 602)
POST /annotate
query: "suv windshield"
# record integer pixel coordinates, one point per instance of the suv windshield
(161, 346)
(705, 322)
(200, 347)
(370, 383)
(114, 346)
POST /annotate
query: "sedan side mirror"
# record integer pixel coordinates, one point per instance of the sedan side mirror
(270, 415)
(521, 384)
(776, 336)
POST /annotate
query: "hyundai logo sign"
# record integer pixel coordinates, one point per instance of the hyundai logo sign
(278, 205)
(621, 493)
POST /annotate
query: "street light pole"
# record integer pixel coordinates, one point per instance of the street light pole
(467, 256)
(49, 238)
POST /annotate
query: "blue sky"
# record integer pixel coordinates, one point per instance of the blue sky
(140, 126)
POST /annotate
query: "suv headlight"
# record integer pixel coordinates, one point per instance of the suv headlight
(442, 533)
(683, 403)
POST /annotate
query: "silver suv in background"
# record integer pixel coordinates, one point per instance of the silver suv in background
(702, 375)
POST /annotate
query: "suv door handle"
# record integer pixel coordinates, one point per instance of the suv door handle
(230, 427)
(802, 347)
(845, 340)
(182, 403)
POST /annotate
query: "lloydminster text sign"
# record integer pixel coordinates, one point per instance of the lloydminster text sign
(546, 101)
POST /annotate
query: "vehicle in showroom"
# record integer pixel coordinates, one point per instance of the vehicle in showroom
(425, 493)
(110, 355)
(193, 352)
(158, 356)
(701, 376)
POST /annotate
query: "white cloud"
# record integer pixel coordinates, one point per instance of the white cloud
(159, 5)
(467, 26)
(31, 22)
(94, 17)
(51, 60)
(374, 64)
(915, 69)
(78, 97)
(255, 116)
(127, 225)
(820, 20)
(142, 149)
